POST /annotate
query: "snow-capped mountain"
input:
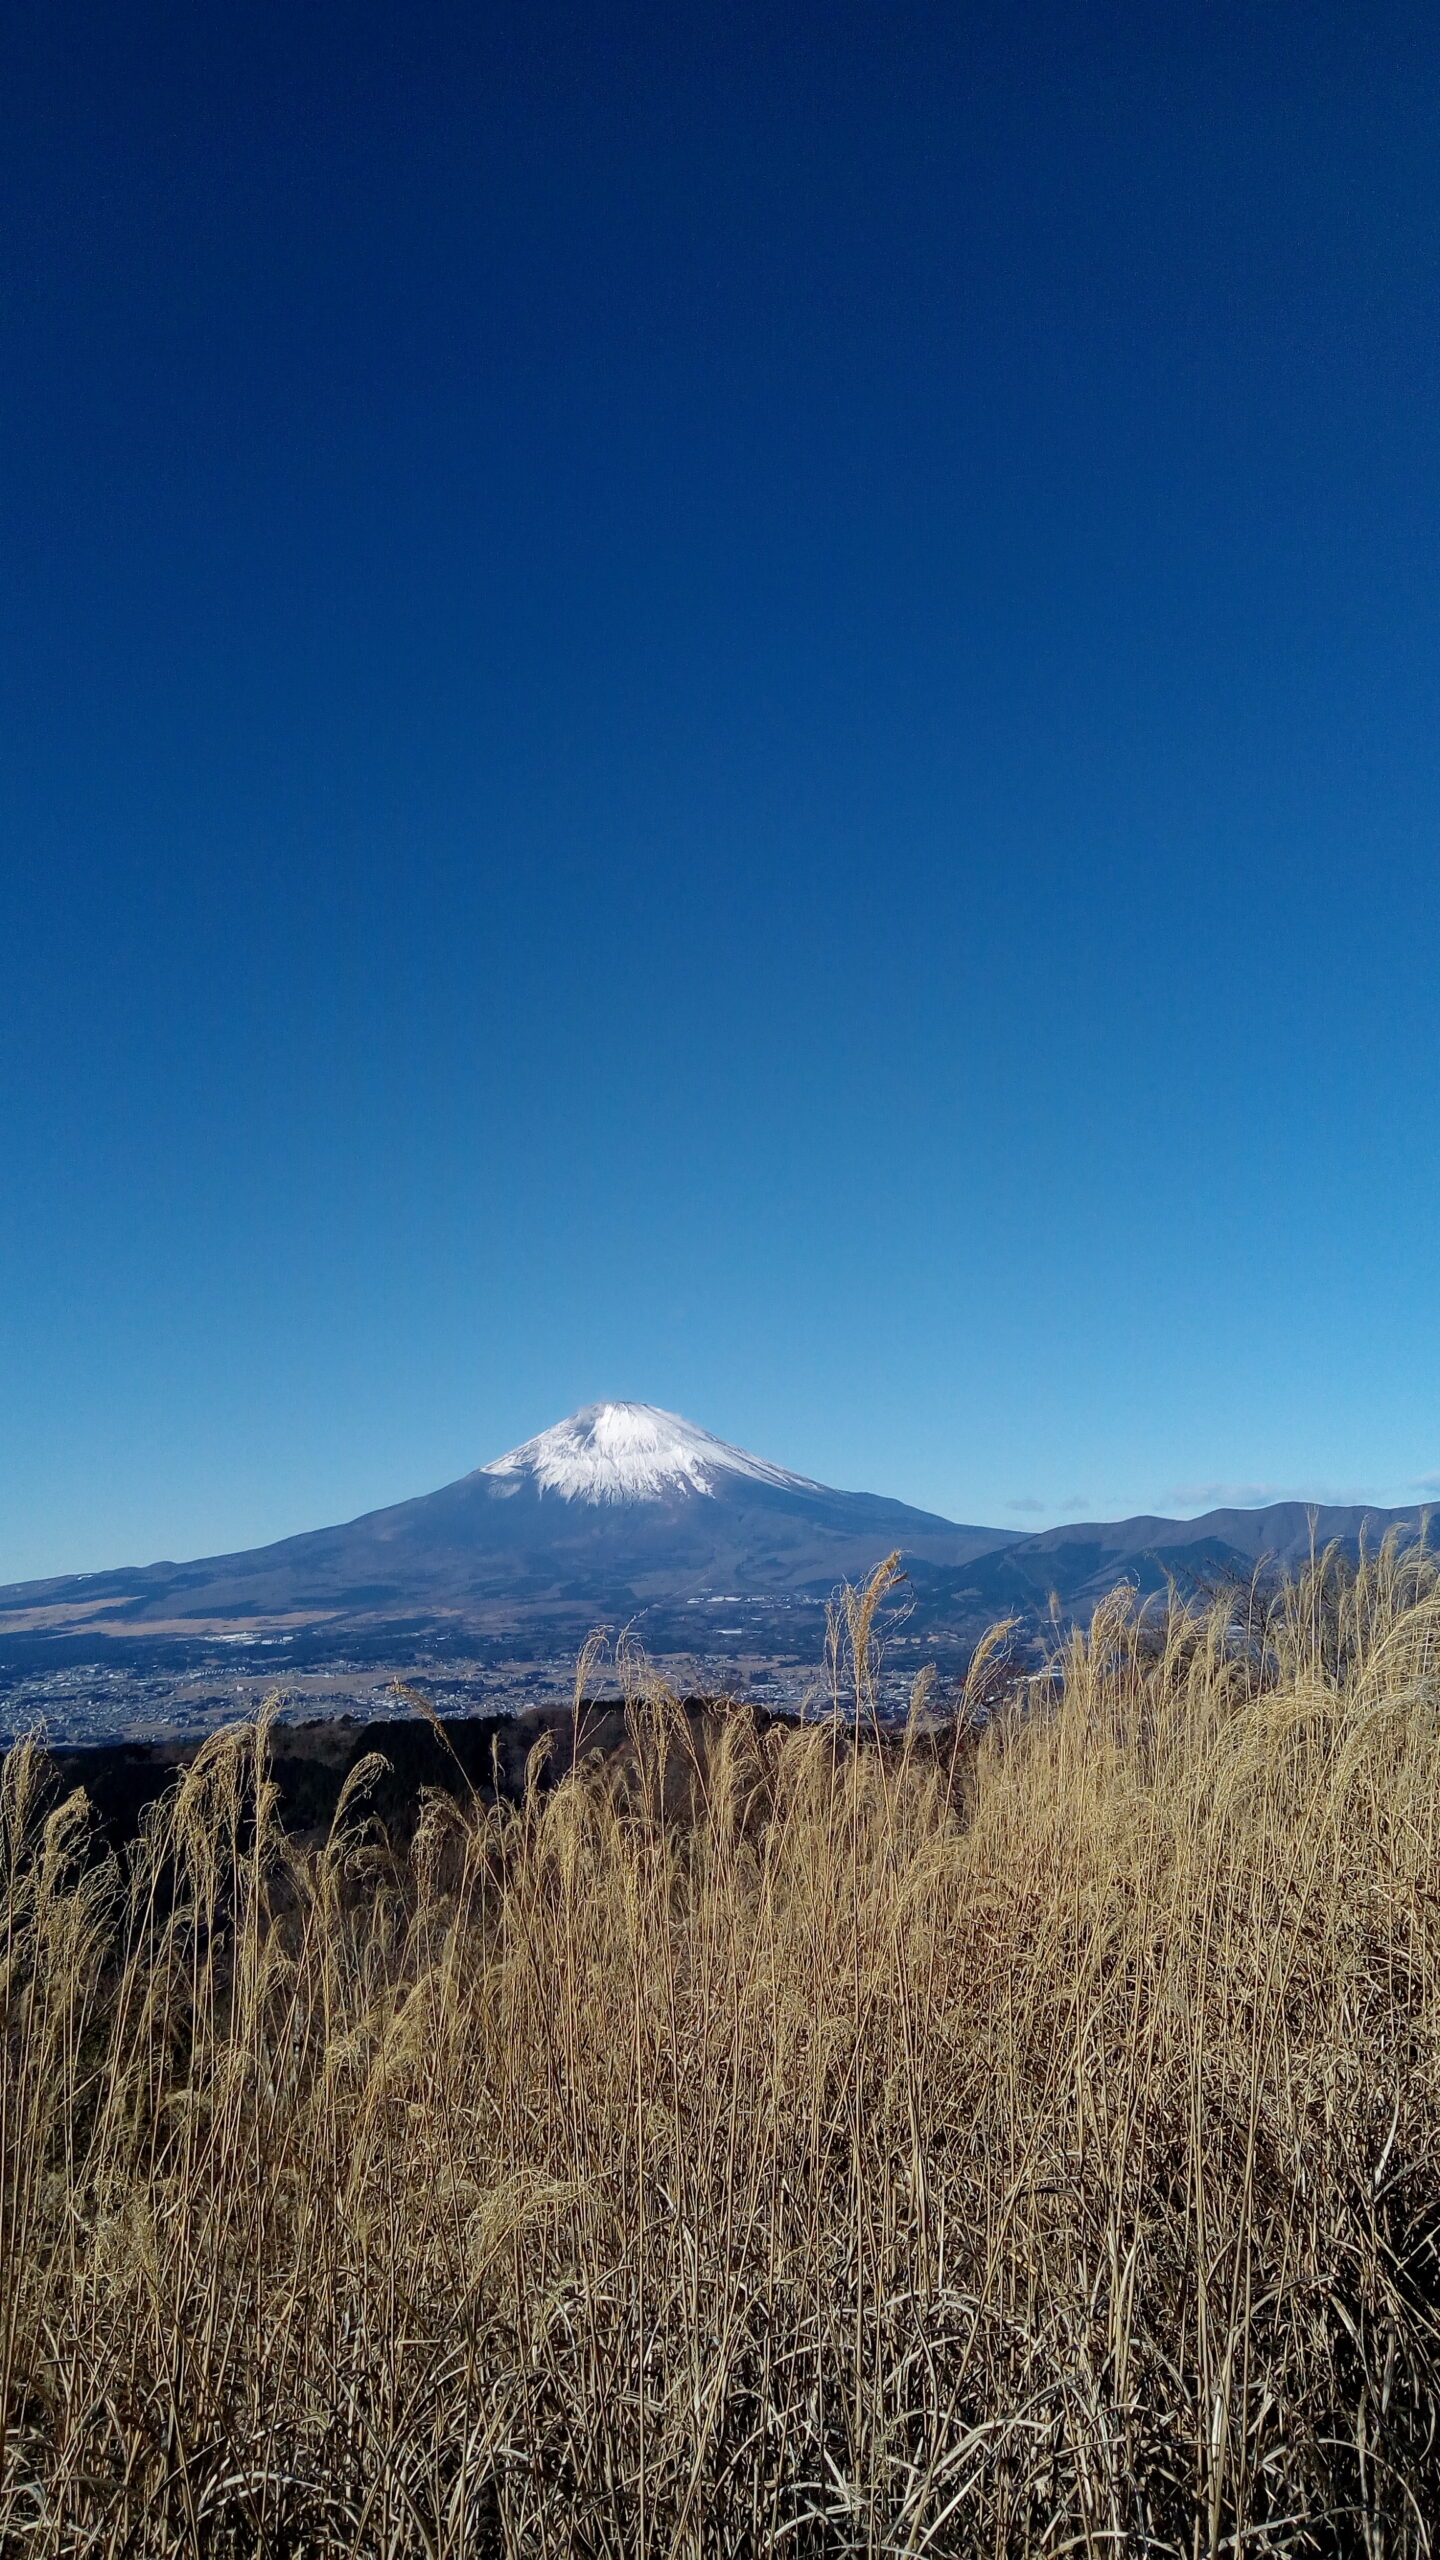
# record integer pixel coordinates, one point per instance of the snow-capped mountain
(635, 1453)
(618, 1508)
(624, 1511)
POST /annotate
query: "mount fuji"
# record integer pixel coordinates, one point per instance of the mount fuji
(624, 1511)
(619, 1507)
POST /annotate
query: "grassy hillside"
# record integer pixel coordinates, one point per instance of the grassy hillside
(1023, 2142)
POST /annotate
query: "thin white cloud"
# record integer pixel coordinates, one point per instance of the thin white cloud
(1253, 1497)
(1027, 1502)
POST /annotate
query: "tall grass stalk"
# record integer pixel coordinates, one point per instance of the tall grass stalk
(1023, 2139)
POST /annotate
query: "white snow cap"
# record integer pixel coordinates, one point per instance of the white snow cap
(633, 1453)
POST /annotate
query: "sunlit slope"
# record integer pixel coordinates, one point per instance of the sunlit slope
(617, 1503)
(624, 1506)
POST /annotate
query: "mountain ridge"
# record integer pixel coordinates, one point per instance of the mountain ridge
(625, 1505)
(619, 1502)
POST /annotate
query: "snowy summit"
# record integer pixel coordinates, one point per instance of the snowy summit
(633, 1453)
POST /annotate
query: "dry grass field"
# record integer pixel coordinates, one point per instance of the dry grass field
(1021, 2139)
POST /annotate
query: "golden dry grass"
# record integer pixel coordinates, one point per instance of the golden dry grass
(1024, 2144)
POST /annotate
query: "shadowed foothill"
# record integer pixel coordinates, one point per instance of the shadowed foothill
(481, 1759)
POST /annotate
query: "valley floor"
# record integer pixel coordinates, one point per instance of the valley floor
(101, 1702)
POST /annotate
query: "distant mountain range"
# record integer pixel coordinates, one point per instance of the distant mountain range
(1077, 1564)
(624, 1509)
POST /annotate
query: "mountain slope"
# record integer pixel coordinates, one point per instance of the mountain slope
(619, 1504)
(1081, 1561)
(623, 1508)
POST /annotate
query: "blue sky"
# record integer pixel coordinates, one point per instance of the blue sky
(732, 706)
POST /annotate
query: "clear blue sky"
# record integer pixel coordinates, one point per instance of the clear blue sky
(732, 705)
